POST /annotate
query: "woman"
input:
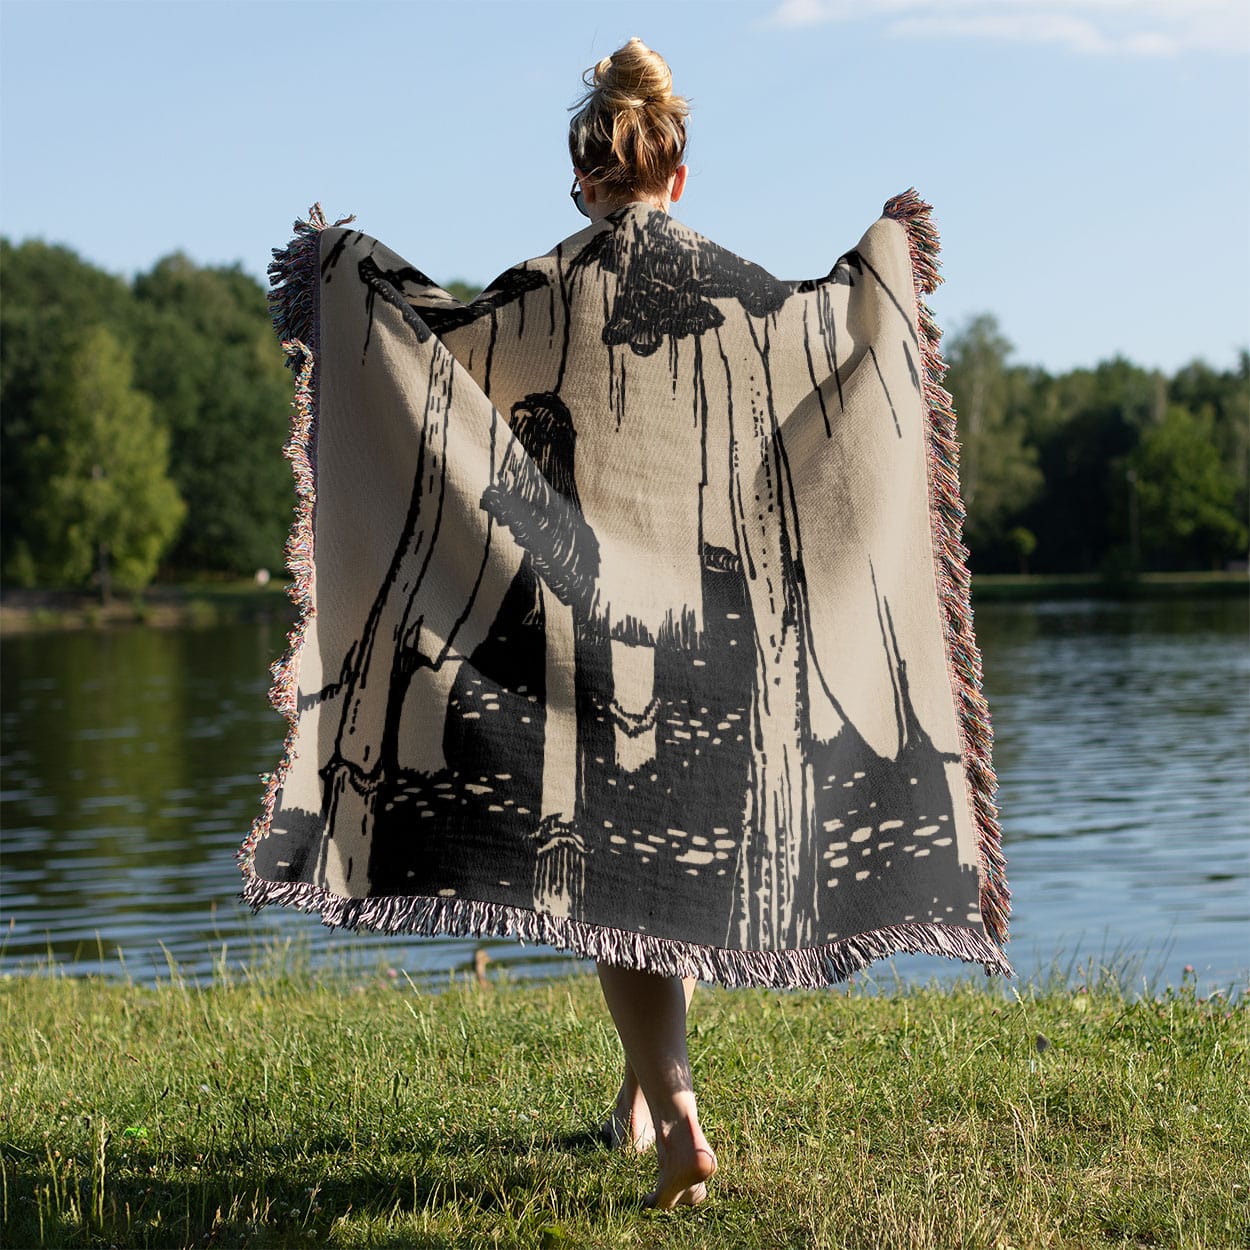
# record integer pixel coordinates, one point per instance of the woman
(636, 618)
(628, 143)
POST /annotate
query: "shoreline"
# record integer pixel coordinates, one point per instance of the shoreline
(177, 605)
(203, 604)
(1034, 587)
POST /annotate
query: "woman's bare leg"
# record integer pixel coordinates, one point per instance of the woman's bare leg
(650, 1015)
(629, 1124)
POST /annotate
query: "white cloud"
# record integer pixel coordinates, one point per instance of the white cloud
(1138, 28)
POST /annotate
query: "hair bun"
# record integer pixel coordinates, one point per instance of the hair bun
(630, 129)
(635, 76)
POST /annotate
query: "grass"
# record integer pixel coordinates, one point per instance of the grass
(290, 1109)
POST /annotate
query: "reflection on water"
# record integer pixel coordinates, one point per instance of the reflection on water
(131, 760)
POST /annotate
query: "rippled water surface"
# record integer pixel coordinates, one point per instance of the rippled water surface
(130, 762)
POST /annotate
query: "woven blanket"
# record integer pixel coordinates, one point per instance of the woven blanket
(634, 617)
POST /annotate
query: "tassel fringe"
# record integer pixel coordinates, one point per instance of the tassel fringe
(947, 512)
(809, 968)
(294, 278)
(294, 275)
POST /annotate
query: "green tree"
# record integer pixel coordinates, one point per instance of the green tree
(208, 358)
(1024, 543)
(51, 297)
(105, 505)
(1223, 399)
(1186, 495)
(465, 292)
(1086, 425)
(997, 467)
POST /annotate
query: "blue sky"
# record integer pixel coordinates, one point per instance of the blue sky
(1089, 160)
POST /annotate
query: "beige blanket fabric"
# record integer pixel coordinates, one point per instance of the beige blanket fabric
(634, 615)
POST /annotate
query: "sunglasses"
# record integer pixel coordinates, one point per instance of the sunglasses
(578, 199)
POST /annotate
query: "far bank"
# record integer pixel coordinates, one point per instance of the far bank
(215, 603)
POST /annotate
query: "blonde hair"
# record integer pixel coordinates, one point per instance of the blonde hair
(629, 131)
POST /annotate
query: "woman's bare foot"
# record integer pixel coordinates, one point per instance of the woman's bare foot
(686, 1165)
(649, 1011)
(629, 1126)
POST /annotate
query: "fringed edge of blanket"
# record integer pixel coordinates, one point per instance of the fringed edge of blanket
(294, 277)
(294, 274)
(807, 968)
(946, 511)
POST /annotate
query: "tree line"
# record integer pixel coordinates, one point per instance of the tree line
(1113, 470)
(142, 424)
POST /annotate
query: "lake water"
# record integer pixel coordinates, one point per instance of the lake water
(130, 762)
